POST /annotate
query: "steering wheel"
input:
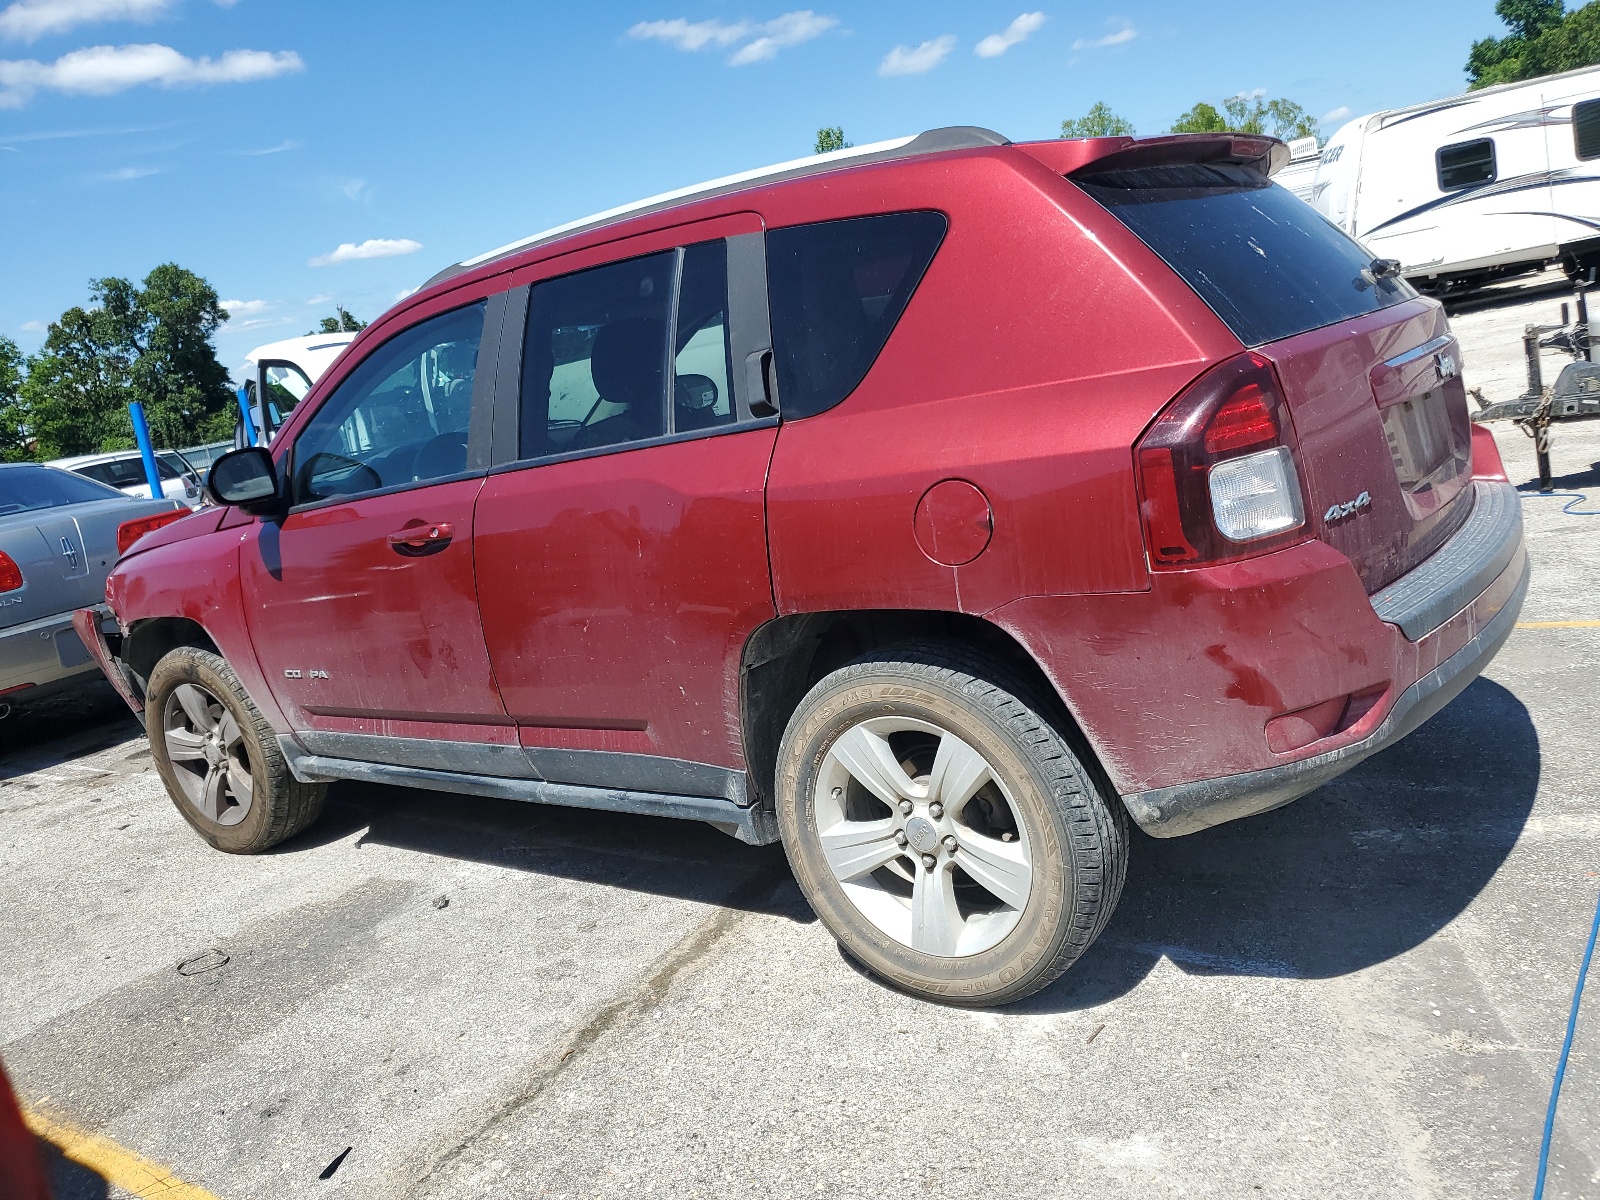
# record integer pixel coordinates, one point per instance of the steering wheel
(334, 475)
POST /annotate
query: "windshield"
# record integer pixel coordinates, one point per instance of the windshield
(25, 487)
(1266, 262)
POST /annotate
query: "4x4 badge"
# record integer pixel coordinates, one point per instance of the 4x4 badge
(1349, 509)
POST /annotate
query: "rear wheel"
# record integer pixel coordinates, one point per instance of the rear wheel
(943, 827)
(218, 757)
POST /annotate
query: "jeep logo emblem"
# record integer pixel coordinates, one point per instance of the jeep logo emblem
(1339, 512)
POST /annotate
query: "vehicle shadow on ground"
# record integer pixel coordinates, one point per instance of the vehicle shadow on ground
(69, 1180)
(684, 860)
(1575, 482)
(66, 726)
(1365, 868)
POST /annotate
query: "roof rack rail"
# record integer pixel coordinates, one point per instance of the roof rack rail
(934, 141)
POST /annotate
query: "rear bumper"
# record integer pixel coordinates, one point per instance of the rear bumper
(41, 655)
(1227, 691)
(1191, 807)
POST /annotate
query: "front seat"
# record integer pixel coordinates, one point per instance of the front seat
(627, 362)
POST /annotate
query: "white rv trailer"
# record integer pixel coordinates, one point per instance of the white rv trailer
(1300, 174)
(1474, 187)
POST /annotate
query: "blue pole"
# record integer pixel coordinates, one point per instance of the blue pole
(141, 434)
(243, 396)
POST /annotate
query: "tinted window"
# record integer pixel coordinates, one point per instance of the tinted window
(1268, 264)
(400, 417)
(595, 361)
(125, 472)
(24, 488)
(1586, 129)
(1466, 164)
(702, 395)
(836, 290)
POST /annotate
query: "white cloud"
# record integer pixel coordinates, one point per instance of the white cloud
(30, 19)
(315, 300)
(288, 144)
(788, 30)
(1117, 37)
(907, 60)
(404, 292)
(33, 327)
(246, 308)
(1337, 114)
(128, 174)
(763, 39)
(105, 70)
(371, 248)
(1013, 34)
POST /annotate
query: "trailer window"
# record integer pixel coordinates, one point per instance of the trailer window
(1586, 129)
(1466, 164)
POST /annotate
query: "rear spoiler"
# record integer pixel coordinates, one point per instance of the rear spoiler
(1083, 158)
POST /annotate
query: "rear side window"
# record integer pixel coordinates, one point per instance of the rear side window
(1586, 129)
(1466, 164)
(1267, 263)
(26, 488)
(835, 291)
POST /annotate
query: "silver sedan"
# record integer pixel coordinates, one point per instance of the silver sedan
(59, 536)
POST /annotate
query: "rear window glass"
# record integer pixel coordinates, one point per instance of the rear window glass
(1267, 263)
(24, 488)
(1586, 129)
(1466, 164)
(835, 291)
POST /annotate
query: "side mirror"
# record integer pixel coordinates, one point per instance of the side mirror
(244, 478)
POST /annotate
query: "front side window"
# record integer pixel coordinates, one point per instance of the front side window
(400, 417)
(1466, 164)
(1586, 129)
(836, 290)
(287, 385)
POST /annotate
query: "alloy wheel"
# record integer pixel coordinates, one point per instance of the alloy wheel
(208, 753)
(922, 836)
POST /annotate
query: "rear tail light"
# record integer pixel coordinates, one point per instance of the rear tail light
(10, 573)
(130, 532)
(1217, 479)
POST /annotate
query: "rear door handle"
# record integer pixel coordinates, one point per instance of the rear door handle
(422, 537)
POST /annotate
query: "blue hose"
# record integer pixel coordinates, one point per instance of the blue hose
(1561, 1063)
(1571, 498)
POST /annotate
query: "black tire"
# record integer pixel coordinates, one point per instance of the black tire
(279, 806)
(1074, 829)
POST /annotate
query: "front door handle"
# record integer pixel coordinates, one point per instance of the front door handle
(422, 537)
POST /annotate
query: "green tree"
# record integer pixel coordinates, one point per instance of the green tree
(832, 138)
(150, 343)
(13, 426)
(343, 323)
(1099, 121)
(1249, 114)
(1544, 39)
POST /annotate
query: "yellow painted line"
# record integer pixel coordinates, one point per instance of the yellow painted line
(113, 1163)
(1558, 624)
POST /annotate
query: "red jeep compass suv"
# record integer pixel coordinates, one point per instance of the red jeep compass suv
(934, 506)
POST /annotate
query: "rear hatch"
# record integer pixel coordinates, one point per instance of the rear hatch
(1369, 369)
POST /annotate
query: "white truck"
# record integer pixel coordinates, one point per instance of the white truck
(277, 377)
(1471, 188)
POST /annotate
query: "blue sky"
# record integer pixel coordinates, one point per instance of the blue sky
(297, 153)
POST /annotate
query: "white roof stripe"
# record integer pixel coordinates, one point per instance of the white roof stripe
(694, 189)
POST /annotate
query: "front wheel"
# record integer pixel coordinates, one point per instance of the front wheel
(943, 827)
(217, 755)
